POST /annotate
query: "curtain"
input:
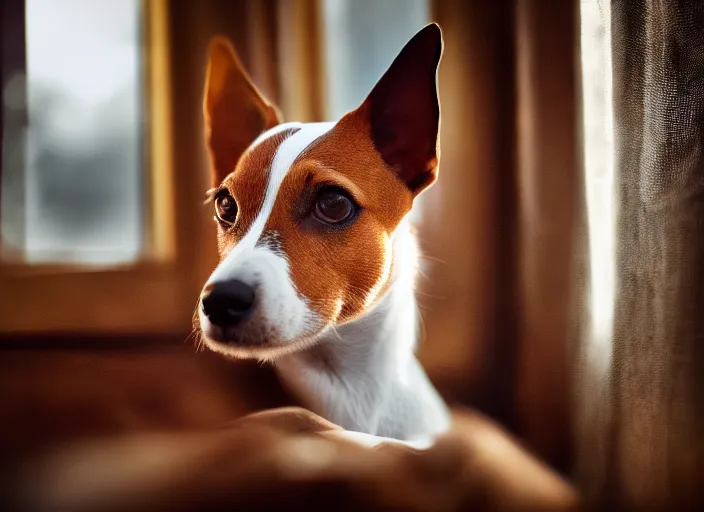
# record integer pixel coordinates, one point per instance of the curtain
(507, 211)
(640, 425)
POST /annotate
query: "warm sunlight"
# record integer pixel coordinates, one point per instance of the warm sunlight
(599, 177)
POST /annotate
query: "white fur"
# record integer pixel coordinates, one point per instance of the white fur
(362, 375)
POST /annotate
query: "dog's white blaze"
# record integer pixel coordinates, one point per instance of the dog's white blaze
(270, 133)
(286, 154)
(281, 306)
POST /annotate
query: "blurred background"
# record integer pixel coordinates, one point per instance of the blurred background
(106, 242)
(563, 248)
(562, 242)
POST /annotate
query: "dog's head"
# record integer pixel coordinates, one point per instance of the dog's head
(306, 211)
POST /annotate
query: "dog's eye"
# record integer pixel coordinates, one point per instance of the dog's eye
(226, 208)
(333, 207)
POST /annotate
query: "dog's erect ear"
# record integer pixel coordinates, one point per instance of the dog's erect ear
(235, 111)
(404, 112)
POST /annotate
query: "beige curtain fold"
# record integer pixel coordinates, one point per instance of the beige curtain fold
(463, 226)
(508, 208)
(550, 221)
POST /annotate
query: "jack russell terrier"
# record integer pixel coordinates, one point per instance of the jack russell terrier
(317, 258)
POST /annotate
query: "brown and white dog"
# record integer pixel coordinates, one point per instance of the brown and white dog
(317, 260)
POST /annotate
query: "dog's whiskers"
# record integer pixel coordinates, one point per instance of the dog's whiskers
(196, 333)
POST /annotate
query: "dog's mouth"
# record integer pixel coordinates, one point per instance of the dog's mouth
(255, 339)
(262, 350)
(217, 335)
(254, 332)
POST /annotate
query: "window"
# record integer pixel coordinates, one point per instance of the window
(73, 176)
(88, 241)
(362, 38)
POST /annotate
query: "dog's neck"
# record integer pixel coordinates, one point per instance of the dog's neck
(364, 375)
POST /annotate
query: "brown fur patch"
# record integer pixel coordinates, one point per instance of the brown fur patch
(338, 269)
(235, 111)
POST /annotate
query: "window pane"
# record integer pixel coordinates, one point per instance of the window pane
(362, 39)
(72, 180)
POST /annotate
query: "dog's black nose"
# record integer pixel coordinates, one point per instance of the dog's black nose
(228, 302)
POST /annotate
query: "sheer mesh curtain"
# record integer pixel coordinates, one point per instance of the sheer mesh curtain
(601, 252)
(643, 446)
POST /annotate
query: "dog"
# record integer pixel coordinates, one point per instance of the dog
(317, 257)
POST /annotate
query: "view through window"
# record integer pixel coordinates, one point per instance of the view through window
(73, 124)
